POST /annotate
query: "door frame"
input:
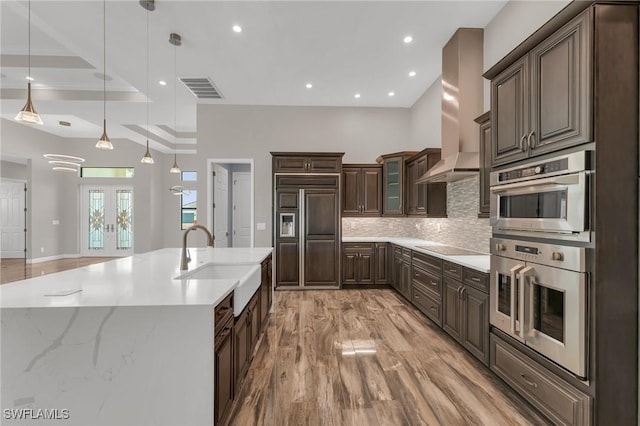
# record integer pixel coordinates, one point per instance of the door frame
(209, 206)
(27, 212)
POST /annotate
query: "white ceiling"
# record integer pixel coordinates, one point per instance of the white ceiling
(341, 47)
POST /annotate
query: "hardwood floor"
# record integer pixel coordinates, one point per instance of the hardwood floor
(16, 269)
(365, 357)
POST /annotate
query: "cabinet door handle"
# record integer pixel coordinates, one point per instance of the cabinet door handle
(522, 142)
(433, 283)
(433, 308)
(225, 332)
(459, 292)
(527, 381)
(529, 143)
(462, 293)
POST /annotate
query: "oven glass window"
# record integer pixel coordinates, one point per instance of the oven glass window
(504, 294)
(548, 312)
(539, 205)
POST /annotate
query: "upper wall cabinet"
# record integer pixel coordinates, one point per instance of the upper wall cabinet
(307, 162)
(424, 199)
(543, 102)
(393, 183)
(361, 190)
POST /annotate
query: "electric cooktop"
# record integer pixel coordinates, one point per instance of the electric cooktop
(450, 250)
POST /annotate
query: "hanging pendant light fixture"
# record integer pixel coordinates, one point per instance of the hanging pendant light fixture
(28, 113)
(147, 159)
(176, 41)
(104, 142)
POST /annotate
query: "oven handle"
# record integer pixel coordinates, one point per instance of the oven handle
(524, 325)
(514, 271)
(573, 179)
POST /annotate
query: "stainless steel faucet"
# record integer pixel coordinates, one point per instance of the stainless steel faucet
(184, 261)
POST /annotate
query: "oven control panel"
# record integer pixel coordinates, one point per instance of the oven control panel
(565, 257)
(538, 169)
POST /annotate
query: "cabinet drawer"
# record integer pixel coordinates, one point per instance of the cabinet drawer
(223, 312)
(452, 269)
(428, 263)
(428, 305)
(425, 281)
(359, 246)
(476, 279)
(558, 400)
(406, 253)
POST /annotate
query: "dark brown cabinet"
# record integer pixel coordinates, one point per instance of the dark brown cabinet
(426, 278)
(466, 309)
(265, 291)
(393, 183)
(361, 190)
(301, 162)
(485, 164)
(382, 263)
(543, 101)
(223, 359)
(358, 263)
(246, 332)
(424, 199)
(402, 271)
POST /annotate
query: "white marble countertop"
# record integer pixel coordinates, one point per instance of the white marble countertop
(481, 262)
(146, 279)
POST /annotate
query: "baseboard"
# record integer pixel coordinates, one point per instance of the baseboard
(50, 258)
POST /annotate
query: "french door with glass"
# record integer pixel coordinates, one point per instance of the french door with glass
(106, 217)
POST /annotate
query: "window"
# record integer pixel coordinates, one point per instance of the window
(106, 172)
(188, 201)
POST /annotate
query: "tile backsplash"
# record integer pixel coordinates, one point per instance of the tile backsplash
(461, 228)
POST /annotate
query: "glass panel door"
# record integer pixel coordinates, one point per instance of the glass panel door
(106, 220)
(505, 294)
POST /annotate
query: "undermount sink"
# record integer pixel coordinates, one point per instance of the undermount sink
(249, 277)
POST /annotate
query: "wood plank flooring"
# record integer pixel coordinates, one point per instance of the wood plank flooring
(365, 358)
(17, 269)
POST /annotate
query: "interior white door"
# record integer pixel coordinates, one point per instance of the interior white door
(106, 220)
(12, 219)
(242, 209)
(220, 209)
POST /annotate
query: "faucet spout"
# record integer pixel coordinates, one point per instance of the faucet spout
(184, 261)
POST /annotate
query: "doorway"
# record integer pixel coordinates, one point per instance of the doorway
(106, 218)
(230, 195)
(13, 219)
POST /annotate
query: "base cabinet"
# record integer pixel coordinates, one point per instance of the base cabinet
(247, 330)
(558, 400)
(266, 291)
(223, 360)
(364, 263)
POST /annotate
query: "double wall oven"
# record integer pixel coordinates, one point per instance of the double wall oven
(540, 256)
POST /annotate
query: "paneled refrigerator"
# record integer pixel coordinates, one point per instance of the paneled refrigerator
(307, 230)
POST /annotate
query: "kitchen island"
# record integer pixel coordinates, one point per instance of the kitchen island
(123, 342)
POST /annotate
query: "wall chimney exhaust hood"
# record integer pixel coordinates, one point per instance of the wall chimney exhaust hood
(461, 104)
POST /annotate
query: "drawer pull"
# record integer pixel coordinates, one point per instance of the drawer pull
(433, 283)
(417, 297)
(433, 308)
(475, 279)
(527, 381)
(416, 275)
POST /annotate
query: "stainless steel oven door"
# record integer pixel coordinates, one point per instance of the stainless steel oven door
(505, 291)
(556, 204)
(555, 312)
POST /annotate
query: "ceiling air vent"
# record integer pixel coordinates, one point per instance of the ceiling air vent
(202, 88)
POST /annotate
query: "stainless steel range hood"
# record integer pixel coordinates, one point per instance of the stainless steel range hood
(461, 104)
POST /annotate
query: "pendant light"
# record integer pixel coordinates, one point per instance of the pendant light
(104, 142)
(28, 113)
(147, 159)
(176, 41)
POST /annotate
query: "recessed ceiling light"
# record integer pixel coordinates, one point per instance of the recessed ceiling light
(357, 96)
(309, 85)
(408, 39)
(392, 94)
(162, 83)
(237, 28)
(29, 78)
(64, 123)
(412, 73)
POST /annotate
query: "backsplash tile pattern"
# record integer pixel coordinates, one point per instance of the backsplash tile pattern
(461, 228)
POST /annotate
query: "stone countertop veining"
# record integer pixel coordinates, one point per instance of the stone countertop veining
(146, 279)
(481, 262)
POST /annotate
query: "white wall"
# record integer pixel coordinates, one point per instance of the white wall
(254, 131)
(425, 122)
(54, 195)
(511, 26)
(11, 170)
